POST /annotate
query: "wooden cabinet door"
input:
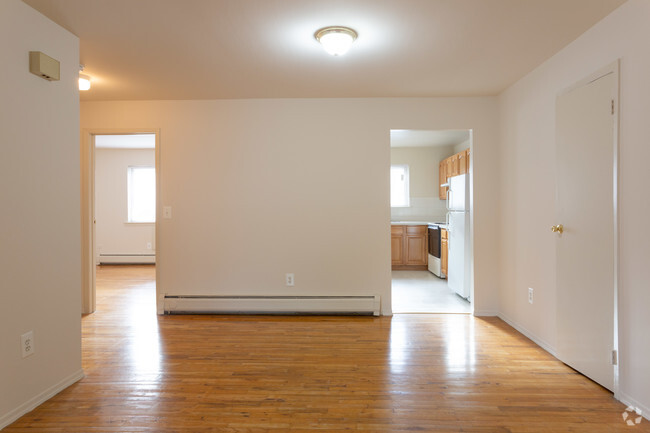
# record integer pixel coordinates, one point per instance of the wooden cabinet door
(462, 163)
(455, 167)
(416, 250)
(397, 245)
(397, 249)
(442, 178)
(467, 155)
(415, 246)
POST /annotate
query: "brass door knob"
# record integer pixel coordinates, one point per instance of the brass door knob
(558, 228)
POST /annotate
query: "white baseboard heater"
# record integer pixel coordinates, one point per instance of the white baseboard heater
(281, 305)
(124, 259)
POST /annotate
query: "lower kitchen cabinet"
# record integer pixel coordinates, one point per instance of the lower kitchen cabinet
(409, 247)
(397, 245)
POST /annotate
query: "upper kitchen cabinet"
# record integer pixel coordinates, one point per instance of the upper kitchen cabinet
(442, 178)
(462, 162)
(453, 166)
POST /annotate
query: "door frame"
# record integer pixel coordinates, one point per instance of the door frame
(470, 229)
(88, 241)
(611, 68)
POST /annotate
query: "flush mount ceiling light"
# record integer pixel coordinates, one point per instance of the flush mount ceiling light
(336, 40)
(84, 80)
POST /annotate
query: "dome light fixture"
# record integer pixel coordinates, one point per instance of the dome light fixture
(84, 80)
(336, 40)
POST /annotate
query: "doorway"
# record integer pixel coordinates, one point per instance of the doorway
(120, 187)
(420, 222)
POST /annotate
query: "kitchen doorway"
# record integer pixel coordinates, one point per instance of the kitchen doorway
(120, 187)
(423, 225)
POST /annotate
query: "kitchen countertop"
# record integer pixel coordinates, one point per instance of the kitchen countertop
(417, 223)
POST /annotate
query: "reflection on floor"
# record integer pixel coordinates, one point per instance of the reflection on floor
(290, 374)
(423, 292)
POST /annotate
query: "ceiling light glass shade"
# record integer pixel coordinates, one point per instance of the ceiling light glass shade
(336, 40)
(84, 82)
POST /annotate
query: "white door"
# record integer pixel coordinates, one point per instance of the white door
(585, 128)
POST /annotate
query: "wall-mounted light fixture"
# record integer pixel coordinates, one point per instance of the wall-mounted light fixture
(336, 40)
(84, 80)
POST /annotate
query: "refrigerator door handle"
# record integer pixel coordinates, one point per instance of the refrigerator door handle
(448, 198)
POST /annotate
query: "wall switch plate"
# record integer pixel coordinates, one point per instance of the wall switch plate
(27, 344)
(530, 295)
(148, 245)
(167, 212)
(289, 279)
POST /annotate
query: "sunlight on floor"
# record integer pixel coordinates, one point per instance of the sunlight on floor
(423, 292)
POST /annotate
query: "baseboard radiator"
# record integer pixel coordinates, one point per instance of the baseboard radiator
(281, 305)
(124, 259)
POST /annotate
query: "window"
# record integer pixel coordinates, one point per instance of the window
(399, 185)
(141, 194)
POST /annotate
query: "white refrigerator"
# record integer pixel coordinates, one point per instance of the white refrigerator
(459, 257)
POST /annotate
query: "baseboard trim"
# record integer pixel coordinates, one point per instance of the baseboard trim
(409, 268)
(540, 342)
(629, 401)
(479, 313)
(39, 399)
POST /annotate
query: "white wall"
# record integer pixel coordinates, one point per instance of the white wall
(461, 147)
(264, 187)
(423, 165)
(40, 267)
(114, 235)
(528, 188)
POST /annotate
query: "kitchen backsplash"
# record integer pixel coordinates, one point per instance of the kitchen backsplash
(422, 209)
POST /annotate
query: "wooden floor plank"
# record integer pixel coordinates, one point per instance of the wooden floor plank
(270, 374)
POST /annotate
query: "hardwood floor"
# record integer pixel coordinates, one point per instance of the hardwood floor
(254, 374)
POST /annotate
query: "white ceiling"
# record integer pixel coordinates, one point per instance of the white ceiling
(213, 49)
(126, 141)
(414, 138)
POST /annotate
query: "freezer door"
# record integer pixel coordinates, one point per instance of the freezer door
(456, 198)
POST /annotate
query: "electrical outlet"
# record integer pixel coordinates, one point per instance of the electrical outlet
(27, 344)
(167, 212)
(289, 279)
(530, 295)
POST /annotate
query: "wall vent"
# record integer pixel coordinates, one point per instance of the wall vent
(298, 305)
(123, 259)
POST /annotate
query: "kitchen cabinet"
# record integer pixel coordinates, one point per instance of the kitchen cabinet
(453, 166)
(397, 245)
(444, 252)
(409, 247)
(442, 178)
(462, 162)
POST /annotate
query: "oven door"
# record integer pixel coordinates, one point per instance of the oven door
(434, 250)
